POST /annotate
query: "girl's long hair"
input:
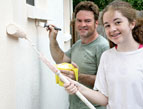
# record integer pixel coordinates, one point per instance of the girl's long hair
(130, 13)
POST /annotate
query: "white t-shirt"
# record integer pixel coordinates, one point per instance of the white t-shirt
(120, 78)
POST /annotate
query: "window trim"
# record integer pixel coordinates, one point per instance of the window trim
(33, 4)
(34, 12)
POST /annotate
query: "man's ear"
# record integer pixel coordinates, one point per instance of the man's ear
(96, 23)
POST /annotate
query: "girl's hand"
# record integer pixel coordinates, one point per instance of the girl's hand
(71, 87)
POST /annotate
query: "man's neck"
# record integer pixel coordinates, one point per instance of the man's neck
(89, 39)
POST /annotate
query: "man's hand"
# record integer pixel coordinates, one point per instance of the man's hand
(69, 74)
(52, 32)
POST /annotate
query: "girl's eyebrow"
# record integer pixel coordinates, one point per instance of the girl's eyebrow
(116, 19)
(113, 20)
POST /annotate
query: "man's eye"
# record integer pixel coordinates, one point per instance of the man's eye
(88, 21)
(78, 20)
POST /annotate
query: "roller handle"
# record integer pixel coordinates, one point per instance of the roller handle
(14, 31)
(64, 79)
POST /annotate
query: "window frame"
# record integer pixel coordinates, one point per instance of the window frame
(30, 2)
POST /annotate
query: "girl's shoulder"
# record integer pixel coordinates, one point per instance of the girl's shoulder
(110, 51)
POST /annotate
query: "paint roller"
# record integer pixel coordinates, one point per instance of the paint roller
(15, 31)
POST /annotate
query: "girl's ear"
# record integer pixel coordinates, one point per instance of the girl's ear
(132, 24)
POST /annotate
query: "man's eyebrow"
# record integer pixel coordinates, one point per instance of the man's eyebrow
(105, 23)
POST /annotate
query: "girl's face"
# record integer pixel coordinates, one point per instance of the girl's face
(117, 27)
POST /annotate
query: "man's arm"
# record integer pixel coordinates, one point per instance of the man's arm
(57, 54)
(87, 79)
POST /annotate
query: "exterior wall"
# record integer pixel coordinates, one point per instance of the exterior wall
(25, 82)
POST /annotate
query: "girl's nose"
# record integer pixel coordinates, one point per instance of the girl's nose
(112, 28)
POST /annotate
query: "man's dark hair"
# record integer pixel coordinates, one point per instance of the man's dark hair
(88, 6)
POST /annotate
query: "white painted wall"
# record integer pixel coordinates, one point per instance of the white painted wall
(25, 82)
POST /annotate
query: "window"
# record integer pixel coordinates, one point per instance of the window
(30, 2)
(34, 12)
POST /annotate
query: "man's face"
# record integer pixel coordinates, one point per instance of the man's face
(85, 23)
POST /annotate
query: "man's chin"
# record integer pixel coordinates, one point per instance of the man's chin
(83, 35)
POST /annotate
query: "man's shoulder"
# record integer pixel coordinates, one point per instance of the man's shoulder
(77, 43)
(101, 41)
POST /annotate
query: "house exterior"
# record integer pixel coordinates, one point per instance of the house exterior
(25, 81)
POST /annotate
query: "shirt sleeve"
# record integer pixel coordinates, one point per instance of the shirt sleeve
(101, 82)
(68, 53)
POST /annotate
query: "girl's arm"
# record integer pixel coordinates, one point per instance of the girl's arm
(94, 96)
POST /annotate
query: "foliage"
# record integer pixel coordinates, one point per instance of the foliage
(137, 4)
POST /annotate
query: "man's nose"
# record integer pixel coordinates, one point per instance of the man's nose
(83, 24)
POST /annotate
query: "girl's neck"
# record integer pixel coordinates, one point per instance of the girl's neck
(128, 47)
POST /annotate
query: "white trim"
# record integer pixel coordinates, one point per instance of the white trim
(34, 12)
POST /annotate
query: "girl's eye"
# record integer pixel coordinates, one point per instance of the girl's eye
(117, 23)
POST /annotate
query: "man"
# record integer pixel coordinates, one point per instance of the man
(85, 52)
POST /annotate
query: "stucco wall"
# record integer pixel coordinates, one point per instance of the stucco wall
(25, 82)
